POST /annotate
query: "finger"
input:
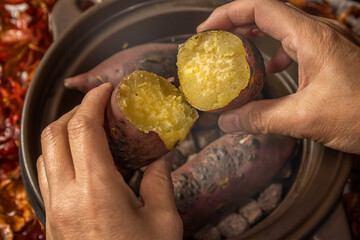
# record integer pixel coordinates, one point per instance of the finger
(272, 17)
(87, 138)
(56, 152)
(156, 188)
(232, 15)
(275, 116)
(43, 182)
(279, 62)
(341, 28)
(255, 33)
(244, 30)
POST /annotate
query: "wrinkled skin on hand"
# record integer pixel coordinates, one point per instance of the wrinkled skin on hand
(85, 196)
(326, 106)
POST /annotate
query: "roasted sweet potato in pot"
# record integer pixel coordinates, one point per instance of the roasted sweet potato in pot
(219, 71)
(147, 116)
(158, 58)
(229, 170)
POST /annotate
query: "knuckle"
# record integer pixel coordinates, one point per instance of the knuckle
(79, 123)
(257, 122)
(169, 217)
(51, 131)
(60, 210)
(163, 177)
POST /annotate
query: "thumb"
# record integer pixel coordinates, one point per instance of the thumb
(285, 116)
(156, 188)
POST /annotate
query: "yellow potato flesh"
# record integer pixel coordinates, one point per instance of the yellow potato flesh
(212, 69)
(151, 103)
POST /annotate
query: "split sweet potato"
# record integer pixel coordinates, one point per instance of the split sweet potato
(158, 58)
(230, 170)
(146, 117)
(219, 70)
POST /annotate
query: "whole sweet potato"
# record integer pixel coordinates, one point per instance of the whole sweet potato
(226, 172)
(146, 117)
(219, 71)
(158, 58)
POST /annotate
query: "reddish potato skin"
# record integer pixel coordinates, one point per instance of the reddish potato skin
(257, 77)
(130, 147)
(158, 58)
(230, 170)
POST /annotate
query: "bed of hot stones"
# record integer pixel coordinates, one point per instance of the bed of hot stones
(246, 214)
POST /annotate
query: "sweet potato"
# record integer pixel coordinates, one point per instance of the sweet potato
(147, 116)
(158, 58)
(226, 172)
(219, 71)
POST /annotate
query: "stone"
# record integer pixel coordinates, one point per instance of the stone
(270, 197)
(135, 181)
(205, 137)
(188, 146)
(286, 172)
(179, 160)
(232, 225)
(209, 232)
(251, 212)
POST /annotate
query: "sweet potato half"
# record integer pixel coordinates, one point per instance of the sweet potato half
(229, 170)
(219, 70)
(147, 116)
(158, 58)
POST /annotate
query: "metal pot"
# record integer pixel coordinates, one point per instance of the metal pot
(102, 31)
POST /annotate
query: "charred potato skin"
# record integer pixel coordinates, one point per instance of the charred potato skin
(158, 58)
(257, 77)
(225, 173)
(131, 148)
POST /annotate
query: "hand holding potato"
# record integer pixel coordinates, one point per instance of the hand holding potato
(326, 107)
(85, 196)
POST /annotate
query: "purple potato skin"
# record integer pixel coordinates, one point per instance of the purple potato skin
(131, 148)
(257, 77)
(158, 58)
(229, 170)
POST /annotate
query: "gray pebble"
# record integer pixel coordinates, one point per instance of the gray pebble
(270, 197)
(135, 181)
(209, 232)
(188, 146)
(233, 225)
(251, 212)
(205, 137)
(179, 160)
(286, 172)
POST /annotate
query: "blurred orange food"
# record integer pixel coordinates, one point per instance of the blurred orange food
(24, 38)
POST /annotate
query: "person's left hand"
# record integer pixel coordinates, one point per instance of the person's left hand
(85, 196)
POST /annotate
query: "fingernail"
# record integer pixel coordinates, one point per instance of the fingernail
(108, 85)
(229, 123)
(67, 82)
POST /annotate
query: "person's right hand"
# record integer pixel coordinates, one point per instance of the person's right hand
(84, 194)
(326, 107)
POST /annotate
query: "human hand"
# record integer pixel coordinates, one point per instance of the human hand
(326, 106)
(85, 196)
